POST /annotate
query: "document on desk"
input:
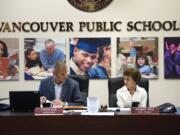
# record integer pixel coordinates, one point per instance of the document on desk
(98, 113)
(74, 111)
(120, 109)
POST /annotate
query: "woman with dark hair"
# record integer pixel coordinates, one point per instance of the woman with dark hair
(131, 92)
(3, 49)
(4, 60)
(32, 59)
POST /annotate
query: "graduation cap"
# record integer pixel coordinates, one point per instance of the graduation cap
(91, 45)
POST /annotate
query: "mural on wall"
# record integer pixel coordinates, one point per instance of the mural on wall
(172, 57)
(9, 59)
(41, 55)
(91, 57)
(138, 52)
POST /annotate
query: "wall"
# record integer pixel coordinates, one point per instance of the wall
(161, 90)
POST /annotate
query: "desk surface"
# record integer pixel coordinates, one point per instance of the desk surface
(28, 124)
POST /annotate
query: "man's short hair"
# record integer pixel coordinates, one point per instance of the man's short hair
(49, 41)
(60, 66)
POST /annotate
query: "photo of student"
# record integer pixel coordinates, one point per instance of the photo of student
(172, 57)
(132, 52)
(102, 69)
(91, 57)
(140, 53)
(32, 59)
(50, 55)
(41, 55)
(9, 59)
(177, 60)
(32, 63)
(143, 65)
(3, 49)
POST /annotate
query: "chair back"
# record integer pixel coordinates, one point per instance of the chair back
(115, 83)
(83, 85)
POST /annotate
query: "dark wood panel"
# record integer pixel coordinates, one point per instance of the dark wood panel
(90, 125)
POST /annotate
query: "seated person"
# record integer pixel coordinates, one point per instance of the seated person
(143, 64)
(60, 89)
(32, 59)
(50, 55)
(131, 92)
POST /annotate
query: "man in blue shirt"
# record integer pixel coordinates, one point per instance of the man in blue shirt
(50, 55)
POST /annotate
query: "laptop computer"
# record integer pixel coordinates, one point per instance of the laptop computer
(24, 101)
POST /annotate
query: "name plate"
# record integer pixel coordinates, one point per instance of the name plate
(48, 111)
(145, 110)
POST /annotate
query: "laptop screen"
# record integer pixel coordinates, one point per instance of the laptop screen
(24, 101)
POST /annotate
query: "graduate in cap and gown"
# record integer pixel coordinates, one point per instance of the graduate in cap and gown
(85, 56)
(102, 70)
